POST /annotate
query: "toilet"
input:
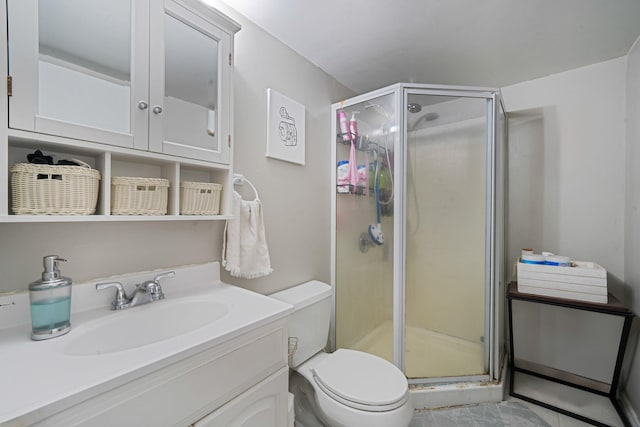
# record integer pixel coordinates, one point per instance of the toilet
(350, 388)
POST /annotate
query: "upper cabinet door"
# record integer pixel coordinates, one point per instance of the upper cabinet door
(190, 82)
(80, 69)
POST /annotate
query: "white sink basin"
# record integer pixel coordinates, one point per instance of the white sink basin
(143, 325)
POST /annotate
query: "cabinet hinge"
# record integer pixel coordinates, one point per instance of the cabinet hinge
(9, 86)
(230, 61)
(229, 140)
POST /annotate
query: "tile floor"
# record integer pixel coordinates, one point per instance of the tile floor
(510, 413)
(483, 415)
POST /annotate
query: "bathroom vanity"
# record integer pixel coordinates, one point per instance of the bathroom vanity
(209, 354)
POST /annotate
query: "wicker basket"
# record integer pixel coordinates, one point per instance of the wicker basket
(53, 190)
(139, 196)
(199, 198)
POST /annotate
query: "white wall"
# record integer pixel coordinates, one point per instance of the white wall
(296, 198)
(96, 250)
(570, 176)
(567, 195)
(632, 219)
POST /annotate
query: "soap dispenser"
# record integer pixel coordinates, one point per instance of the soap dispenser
(50, 300)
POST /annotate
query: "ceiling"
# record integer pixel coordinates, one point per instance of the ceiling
(368, 44)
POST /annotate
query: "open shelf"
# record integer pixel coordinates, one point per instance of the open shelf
(109, 218)
(113, 161)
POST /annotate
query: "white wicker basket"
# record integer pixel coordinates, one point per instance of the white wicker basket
(199, 198)
(139, 196)
(53, 190)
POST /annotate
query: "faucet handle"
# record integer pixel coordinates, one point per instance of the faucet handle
(153, 288)
(164, 275)
(121, 300)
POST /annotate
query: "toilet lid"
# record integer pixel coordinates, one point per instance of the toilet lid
(362, 380)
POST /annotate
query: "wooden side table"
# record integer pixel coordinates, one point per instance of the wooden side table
(614, 308)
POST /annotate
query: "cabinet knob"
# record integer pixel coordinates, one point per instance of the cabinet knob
(142, 105)
(157, 109)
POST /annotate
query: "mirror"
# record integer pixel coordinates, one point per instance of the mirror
(84, 63)
(191, 85)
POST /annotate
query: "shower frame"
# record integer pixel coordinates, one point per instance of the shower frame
(494, 224)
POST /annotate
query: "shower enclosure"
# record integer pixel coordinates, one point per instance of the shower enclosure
(417, 230)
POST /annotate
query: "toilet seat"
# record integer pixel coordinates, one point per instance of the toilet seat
(362, 381)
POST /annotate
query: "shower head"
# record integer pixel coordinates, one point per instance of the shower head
(414, 108)
(426, 117)
(430, 117)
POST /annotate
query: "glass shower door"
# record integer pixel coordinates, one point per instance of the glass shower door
(364, 233)
(446, 234)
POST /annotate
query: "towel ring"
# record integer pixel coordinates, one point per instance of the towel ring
(240, 179)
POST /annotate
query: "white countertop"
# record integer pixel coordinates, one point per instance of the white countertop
(39, 376)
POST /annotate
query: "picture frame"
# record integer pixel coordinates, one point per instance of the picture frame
(285, 128)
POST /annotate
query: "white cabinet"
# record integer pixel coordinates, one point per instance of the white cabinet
(78, 69)
(143, 74)
(264, 405)
(243, 382)
(191, 59)
(132, 87)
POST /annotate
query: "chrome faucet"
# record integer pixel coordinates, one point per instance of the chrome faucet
(145, 292)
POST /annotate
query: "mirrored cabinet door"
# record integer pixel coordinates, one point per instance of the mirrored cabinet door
(190, 93)
(79, 69)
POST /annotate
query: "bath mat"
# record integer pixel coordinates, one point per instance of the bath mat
(506, 414)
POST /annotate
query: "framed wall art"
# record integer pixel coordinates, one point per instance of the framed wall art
(285, 128)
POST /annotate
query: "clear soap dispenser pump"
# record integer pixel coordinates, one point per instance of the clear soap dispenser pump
(50, 300)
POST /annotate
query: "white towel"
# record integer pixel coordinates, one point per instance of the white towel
(244, 251)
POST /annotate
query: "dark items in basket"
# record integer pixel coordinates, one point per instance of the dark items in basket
(40, 159)
(65, 162)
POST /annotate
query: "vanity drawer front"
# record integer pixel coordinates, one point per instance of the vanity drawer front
(183, 392)
(263, 405)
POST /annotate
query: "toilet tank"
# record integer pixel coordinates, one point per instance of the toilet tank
(309, 323)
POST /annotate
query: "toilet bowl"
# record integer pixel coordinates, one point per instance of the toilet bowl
(354, 389)
(350, 388)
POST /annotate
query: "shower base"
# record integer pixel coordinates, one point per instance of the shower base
(430, 355)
